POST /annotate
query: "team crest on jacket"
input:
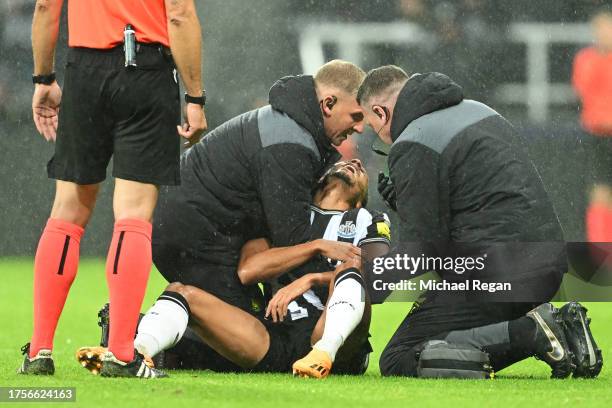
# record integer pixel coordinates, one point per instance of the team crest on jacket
(347, 230)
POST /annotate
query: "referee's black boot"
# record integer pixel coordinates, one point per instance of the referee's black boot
(40, 364)
(587, 356)
(550, 342)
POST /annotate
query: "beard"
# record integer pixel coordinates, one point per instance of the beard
(355, 198)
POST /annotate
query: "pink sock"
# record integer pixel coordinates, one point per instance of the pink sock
(127, 271)
(55, 267)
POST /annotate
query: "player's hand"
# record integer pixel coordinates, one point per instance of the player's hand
(277, 307)
(45, 109)
(387, 191)
(354, 262)
(195, 124)
(338, 251)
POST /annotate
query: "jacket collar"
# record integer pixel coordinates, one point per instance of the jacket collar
(296, 97)
(423, 94)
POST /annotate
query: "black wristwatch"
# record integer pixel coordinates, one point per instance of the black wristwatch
(199, 100)
(44, 79)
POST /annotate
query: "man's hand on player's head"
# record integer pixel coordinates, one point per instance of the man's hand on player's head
(338, 251)
(278, 305)
(45, 109)
(195, 124)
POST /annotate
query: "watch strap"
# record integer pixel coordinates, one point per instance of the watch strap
(44, 79)
(199, 100)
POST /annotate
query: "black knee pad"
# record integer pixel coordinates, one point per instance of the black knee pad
(440, 359)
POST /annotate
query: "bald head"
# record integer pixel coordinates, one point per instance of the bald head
(340, 75)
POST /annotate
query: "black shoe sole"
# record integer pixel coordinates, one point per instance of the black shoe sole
(587, 356)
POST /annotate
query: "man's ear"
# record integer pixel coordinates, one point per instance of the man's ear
(382, 113)
(327, 104)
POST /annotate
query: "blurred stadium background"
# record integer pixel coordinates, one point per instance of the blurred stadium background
(513, 55)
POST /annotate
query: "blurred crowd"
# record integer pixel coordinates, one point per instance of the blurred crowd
(467, 37)
(15, 56)
(423, 11)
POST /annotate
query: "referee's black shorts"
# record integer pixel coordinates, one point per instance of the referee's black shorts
(111, 111)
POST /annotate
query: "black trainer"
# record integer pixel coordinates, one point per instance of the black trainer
(587, 356)
(104, 322)
(40, 364)
(550, 342)
(111, 367)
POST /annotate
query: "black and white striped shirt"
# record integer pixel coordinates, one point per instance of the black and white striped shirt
(358, 227)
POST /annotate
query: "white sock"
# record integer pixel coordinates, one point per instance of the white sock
(344, 312)
(163, 325)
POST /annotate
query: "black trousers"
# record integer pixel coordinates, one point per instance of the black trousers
(481, 324)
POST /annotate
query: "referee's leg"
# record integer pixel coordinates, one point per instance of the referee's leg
(57, 258)
(129, 262)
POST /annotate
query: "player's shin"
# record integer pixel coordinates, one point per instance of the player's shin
(344, 311)
(163, 325)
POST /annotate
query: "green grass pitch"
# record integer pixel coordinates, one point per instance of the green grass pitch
(523, 385)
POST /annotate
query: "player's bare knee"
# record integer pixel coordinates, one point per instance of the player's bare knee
(191, 294)
(186, 291)
(175, 287)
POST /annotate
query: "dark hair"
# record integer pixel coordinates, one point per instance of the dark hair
(380, 79)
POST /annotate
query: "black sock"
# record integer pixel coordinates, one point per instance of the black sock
(522, 333)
